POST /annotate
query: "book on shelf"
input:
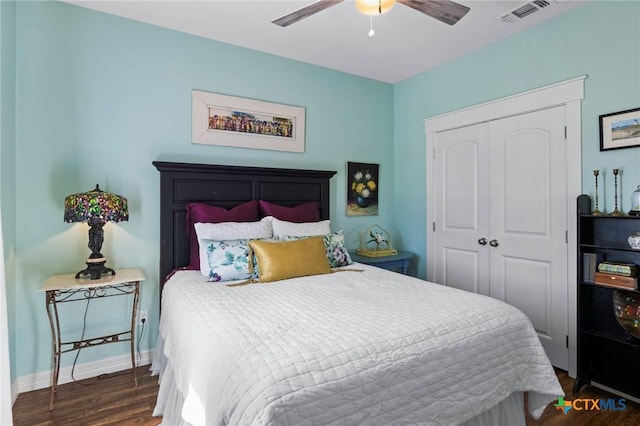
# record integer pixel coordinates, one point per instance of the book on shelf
(590, 262)
(619, 268)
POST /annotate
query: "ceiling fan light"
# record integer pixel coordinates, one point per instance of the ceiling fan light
(374, 7)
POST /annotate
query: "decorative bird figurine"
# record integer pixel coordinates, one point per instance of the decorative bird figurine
(379, 238)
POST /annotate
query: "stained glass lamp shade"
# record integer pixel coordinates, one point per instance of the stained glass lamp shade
(95, 207)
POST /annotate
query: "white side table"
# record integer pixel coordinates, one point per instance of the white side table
(66, 288)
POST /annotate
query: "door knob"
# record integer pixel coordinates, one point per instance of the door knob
(494, 243)
(482, 241)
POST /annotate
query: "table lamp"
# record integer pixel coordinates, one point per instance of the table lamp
(95, 207)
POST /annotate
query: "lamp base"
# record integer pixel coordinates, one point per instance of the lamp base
(95, 269)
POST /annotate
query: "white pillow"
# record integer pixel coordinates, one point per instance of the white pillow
(225, 231)
(282, 228)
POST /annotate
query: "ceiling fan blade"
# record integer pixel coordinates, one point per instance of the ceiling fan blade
(446, 11)
(305, 12)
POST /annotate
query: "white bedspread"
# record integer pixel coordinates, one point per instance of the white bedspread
(348, 348)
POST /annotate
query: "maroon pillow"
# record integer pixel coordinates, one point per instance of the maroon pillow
(199, 212)
(307, 212)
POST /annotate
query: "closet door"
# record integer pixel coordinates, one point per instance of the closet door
(500, 217)
(528, 222)
(462, 208)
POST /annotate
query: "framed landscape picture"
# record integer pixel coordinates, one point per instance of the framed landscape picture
(246, 123)
(620, 129)
(363, 186)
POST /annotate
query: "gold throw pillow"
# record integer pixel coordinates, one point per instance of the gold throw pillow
(278, 260)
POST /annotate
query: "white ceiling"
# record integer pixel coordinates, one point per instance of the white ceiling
(406, 42)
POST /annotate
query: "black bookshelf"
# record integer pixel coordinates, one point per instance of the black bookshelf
(607, 353)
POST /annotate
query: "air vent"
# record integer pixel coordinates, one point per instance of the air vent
(521, 12)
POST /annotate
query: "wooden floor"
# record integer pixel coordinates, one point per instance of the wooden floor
(112, 400)
(553, 416)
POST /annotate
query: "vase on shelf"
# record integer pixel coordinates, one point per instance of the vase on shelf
(634, 241)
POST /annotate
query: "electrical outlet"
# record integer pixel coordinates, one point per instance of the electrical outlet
(143, 317)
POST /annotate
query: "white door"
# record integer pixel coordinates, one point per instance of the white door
(462, 216)
(501, 230)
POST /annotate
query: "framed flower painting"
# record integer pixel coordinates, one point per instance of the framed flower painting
(363, 186)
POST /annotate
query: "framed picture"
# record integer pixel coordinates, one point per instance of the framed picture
(246, 123)
(363, 185)
(620, 129)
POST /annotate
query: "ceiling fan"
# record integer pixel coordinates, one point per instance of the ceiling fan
(446, 11)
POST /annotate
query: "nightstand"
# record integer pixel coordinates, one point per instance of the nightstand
(61, 289)
(392, 263)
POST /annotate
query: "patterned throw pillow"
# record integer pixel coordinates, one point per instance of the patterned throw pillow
(337, 253)
(228, 231)
(226, 260)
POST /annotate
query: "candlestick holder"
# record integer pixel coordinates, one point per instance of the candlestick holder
(635, 203)
(615, 211)
(596, 211)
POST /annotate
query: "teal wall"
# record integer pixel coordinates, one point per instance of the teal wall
(7, 162)
(600, 39)
(100, 97)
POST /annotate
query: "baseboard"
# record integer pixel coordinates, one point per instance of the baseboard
(14, 392)
(616, 392)
(82, 371)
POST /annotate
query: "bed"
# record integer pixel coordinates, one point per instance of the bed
(357, 345)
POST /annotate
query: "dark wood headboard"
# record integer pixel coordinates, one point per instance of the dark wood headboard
(227, 187)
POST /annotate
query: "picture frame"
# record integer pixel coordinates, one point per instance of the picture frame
(363, 186)
(225, 120)
(620, 129)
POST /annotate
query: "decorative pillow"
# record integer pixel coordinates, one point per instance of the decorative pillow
(290, 259)
(254, 261)
(199, 212)
(226, 231)
(282, 228)
(225, 260)
(307, 212)
(337, 253)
